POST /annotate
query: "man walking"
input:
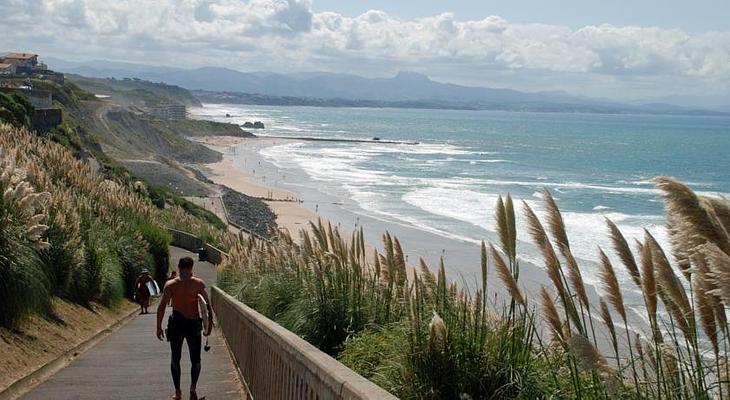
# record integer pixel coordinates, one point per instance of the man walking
(184, 323)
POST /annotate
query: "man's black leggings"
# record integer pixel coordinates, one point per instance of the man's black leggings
(180, 328)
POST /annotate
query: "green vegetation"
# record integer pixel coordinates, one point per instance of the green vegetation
(67, 231)
(158, 240)
(136, 91)
(420, 337)
(15, 110)
(200, 127)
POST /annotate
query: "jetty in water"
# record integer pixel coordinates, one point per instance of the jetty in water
(345, 140)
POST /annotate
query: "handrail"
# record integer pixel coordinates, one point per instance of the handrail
(277, 364)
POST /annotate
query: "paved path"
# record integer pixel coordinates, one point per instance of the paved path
(132, 364)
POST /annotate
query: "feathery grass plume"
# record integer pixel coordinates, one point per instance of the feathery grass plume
(613, 290)
(722, 209)
(591, 360)
(399, 262)
(441, 284)
(710, 288)
(719, 271)
(640, 355)
(670, 289)
(552, 264)
(500, 215)
(429, 281)
(608, 321)
(557, 227)
(621, 247)
(319, 234)
(376, 264)
(511, 226)
(437, 334)
(541, 240)
(648, 286)
(484, 266)
(385, 275)
(669, 361)
(704, 303)
(506, 277)
(691, 222)
(551, 315)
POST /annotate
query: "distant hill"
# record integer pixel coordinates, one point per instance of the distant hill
(404, 88)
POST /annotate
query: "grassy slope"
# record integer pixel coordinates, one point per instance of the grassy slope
(197, 127)
(89, 137)
(136, 92)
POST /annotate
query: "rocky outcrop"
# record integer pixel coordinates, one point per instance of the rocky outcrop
(253, 125)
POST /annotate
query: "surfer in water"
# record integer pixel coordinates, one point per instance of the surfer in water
(143, 294)
(185, 322)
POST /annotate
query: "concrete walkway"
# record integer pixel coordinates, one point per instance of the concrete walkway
(132, 364)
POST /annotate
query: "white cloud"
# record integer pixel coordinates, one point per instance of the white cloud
(287, 35)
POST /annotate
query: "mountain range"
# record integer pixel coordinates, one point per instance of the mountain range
(404, 88)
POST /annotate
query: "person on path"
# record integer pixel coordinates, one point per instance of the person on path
(184, 323)
(141, 291)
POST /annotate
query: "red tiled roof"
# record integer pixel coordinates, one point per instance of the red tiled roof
(20, 56)
(2, 66)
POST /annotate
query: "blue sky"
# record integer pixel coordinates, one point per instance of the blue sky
(695, 16)
(610, 48)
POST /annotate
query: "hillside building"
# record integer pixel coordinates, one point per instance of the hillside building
(23, 62)
(7, 69)
(169, 111)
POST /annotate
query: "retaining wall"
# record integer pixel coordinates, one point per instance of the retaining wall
(192, 243)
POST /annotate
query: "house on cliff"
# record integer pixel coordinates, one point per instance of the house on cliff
(6, 69)
(23, 62)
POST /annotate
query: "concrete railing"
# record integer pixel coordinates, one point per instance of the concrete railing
(277, 364)
(192, 243)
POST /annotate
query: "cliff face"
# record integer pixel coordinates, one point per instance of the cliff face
(137, 135)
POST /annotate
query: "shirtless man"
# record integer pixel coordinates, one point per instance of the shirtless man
(184, 323)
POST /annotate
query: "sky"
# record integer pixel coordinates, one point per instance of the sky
(616, 49)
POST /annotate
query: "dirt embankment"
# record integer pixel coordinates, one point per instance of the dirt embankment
(143, 134)
(40, 340)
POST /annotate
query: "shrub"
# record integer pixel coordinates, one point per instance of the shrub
(66, 250)
(24, 286)
(377, 354)
(158, 240)
(15, 110)
(99, 278)
(134, 255)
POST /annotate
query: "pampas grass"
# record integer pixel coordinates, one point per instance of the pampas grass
(325, 289)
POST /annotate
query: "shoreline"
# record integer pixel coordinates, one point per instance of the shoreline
(461, 258)
(290, 215)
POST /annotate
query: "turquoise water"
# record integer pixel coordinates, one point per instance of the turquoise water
(595, 166)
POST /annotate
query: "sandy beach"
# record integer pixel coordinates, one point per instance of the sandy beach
(290, 215)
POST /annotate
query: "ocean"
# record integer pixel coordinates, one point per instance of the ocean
(596, 167)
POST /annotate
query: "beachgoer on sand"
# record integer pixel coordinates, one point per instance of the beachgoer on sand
(185, 323)
(141, 292)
